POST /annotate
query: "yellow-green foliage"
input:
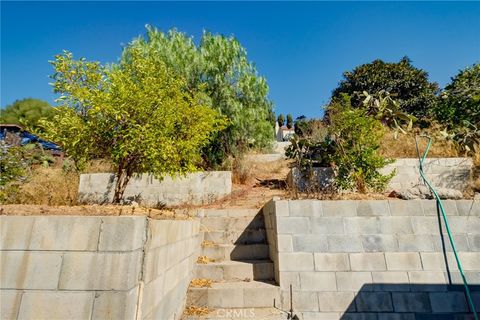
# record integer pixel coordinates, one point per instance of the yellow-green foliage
(137, 113)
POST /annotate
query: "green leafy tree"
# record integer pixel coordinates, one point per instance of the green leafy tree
(459, 102)
(137, 113)
(281, 120)
(409, 85)
(289, 121)
(27, 112)
(218, 69)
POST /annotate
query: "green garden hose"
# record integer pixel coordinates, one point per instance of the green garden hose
(447, 226)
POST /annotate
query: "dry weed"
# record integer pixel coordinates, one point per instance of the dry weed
(204, 260)
(404, 146)
(201, 283)
(207, 243)
(48, 186)
(196, 311)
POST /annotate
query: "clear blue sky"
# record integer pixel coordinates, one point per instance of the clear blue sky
(302, 48)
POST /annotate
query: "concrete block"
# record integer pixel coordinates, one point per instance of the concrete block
(448, 302)
(390, 281)
(282, 208)
(410, 242)
(354, 281)
(284, 243)
(367, 261)
(474, 242)
(302, 300)
(411, 302)
(461, 242)
(310, 243)
(30, 270)
(331, 262)
(425, 225)
(318, 281)
(153, 293)
(260, 297)
(437, 261)
(403, 261)
(430, 207)
(100, 271)
(297, 261)
(122, 233)
(396, 316)
(327, 225)
(290, 278)
(56, 305)
(336, 301)
(344, 243)
(226, 298)
(379, 243)
(339, 208)
(405, 207)
(470, 260)
(361, 225)
(293, 225)
(305, 208)
(395, 225)
(373, 208)
(427, 281)
(10, 304)
(359, 316)
(374, 302)
(50, 233)
(468, 207)
(320, 315)
(115, 305)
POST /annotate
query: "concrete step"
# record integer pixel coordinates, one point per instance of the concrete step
(236, 270)
(247, 236)
(230, 213)
(241, 314)
(253, 294)
(227, 223)
(221, 252)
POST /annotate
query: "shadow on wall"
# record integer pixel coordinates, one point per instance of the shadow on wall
(412, 302)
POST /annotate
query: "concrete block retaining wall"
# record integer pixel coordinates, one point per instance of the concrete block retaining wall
(451, 173)
(68, 267)
(194, 188)
(373, 259)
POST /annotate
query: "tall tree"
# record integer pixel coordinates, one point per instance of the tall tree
(281, 120)
(27, 112)
(137, 113)
(219, 68)
(460, 100)
(408, 85)
(289, 121)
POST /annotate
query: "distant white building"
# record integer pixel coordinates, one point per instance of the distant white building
(283, 133)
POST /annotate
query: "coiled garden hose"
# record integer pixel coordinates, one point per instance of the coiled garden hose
(445, 219)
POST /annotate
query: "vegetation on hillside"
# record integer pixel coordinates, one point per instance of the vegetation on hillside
(138, 114)
(27, 113)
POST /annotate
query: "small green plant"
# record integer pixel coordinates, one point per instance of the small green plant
(355, 142)
(350, 147)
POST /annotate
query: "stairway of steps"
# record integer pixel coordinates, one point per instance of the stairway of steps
(243, 287)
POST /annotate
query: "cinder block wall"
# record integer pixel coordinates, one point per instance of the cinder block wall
(67, 267)
(373, 259)
(453, 173)
(194, 188)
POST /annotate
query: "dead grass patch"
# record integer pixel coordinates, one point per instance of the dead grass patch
(196, 311)
(201, 283)
(204, 260)
(404, 146)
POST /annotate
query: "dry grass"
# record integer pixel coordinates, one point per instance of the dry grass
(201, 283)
(207, 243)
(404, 146)
(47, 186)
(204, 260)
(196, 311)
(99, 166)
